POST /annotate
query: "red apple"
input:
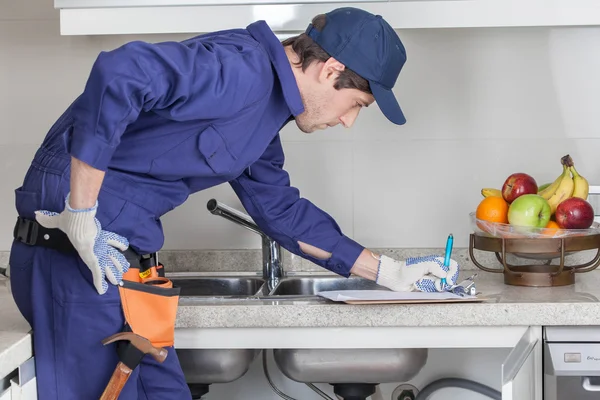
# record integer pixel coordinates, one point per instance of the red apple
(574, 213)
(517, 185)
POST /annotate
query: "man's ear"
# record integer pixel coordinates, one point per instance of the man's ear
(330, 69)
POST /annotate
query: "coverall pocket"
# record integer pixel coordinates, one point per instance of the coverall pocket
(72, 282)
(200, 154)
(27, 202)
(215, 150)
(150, 309)
(110, 208)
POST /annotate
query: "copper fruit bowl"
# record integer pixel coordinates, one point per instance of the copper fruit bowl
(534, 244)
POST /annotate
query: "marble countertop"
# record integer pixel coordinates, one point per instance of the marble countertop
(505, 305)
(577, 304)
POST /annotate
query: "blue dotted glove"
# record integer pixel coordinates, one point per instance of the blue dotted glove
(433, 283)
(424, 274)
(96, 247)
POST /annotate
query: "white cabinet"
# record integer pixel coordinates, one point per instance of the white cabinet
(521, 372)
(21, 384)
(507, 359)
(25, 391)
(6, 395)
(98, 17)
(5, 389)
(170, 3)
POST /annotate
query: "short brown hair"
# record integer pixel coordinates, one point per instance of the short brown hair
(308, 52)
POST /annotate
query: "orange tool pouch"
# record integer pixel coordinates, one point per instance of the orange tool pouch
(150, 306)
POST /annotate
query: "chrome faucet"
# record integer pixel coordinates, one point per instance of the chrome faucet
(271, 250)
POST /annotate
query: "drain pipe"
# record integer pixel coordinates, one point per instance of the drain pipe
(458, 383)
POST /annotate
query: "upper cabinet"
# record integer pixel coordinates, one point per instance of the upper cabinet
(102, 17)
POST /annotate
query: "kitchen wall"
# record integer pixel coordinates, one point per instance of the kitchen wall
(480, 103)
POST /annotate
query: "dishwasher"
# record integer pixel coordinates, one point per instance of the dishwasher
(571, 363)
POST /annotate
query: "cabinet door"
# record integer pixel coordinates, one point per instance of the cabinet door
(521, 368)
(6, 395)
(24, 384)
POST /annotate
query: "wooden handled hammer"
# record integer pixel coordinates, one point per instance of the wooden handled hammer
(137, 348)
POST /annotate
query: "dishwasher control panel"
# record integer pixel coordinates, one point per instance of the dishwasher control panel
(572, 350)
(573, 359)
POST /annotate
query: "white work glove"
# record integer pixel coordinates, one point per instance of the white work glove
(424, 274)
(95, 246)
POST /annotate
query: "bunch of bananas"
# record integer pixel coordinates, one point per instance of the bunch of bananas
(568, 184)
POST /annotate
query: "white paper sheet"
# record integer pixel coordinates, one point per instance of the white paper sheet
(384, 295)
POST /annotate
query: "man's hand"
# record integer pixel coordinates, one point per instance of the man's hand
(421, 273)
(97, 248)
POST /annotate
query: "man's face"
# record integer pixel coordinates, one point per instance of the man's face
(324, 105)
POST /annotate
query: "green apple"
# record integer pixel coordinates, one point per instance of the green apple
(529, 210)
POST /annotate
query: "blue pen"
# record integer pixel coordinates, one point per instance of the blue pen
(449, 244)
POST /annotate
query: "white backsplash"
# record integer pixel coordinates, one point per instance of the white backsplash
(480, 103)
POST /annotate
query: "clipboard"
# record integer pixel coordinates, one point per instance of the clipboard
(390, 297)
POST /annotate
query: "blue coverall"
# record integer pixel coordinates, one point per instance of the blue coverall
(164, 121)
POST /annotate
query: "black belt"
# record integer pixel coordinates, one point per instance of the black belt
(32, 233)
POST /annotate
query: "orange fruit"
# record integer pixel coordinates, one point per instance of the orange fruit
(493, 209)
(553, 225)
(551, 229)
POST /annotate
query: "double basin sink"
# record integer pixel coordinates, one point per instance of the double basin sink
(249, 287)
(209, 366)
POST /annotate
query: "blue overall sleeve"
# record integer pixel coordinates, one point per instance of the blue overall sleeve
(277, 208)
(179, 81)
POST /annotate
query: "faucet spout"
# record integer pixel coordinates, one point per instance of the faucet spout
(271, 250)
(217, 208)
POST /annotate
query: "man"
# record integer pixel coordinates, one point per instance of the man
(158, 122)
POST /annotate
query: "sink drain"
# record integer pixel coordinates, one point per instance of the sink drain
(405, 392)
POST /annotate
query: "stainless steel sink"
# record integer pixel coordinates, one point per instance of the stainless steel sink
(218, 286)
(338, 366)
(305, 285)
(335, 366)
(208, 366)
(343, 366)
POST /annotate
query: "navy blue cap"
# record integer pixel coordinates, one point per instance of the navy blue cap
(369, 46)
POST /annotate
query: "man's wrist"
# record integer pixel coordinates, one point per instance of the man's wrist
(366, 266)
(72, 209)
(85, 185)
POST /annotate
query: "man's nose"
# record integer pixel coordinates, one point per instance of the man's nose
(349, 118)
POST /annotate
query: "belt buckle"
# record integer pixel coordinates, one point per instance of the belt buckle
(26, 231)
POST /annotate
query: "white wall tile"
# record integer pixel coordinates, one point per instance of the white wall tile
(480, 104)
(192, 226)
(29, 10)
(496, 83)
(414, 195)
(322, 173)
(41, 73)
(14, 162)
